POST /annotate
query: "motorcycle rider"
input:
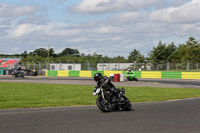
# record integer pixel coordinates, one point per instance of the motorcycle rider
(130, 72)
(19, 69)
(104, 81)
(16, 71)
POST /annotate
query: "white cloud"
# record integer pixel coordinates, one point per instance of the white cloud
(179, 2)
(132, 16)
(14, 10)
(186, 13)
(23, 29)
(60, 32)
(107, 29)
(77, 40)
(41, 30)
(117, 38)
(103, 6)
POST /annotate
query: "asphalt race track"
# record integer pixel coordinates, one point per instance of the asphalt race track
(181, 116)
(178, 116)
(174, 81)
(180, 83)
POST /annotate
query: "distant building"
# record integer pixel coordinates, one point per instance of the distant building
(113, 66)
(65, 66)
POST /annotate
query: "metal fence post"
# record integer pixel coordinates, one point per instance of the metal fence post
(188, 65)
(150, 66)
(73, 65)
(46, 65)
(33, 65)
(135, 65)
(28, 65)
(168, 66)
(88, 64)
(39, 68)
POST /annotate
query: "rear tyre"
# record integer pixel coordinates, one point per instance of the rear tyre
(102, 105)
(135, 79)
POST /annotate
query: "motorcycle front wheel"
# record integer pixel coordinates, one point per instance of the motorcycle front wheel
(102, 105)
(127, 105)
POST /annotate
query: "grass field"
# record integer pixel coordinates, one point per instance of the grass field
(32, 95)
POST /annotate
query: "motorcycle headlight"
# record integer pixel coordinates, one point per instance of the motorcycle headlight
(98, 90)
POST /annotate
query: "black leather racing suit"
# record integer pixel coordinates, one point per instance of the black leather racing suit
(107, 85)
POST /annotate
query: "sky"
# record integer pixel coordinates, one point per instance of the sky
(107, 27)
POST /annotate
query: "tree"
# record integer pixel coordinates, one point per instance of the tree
(51, 53)
(24, 54)
(119, 59)
(192, 50)
(169, 51)
(189, 51)
(162, 53)
(69, 51)
(134, 55)
(40, 52)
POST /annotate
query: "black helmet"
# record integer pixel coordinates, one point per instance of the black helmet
(97, 76)
(19, 68)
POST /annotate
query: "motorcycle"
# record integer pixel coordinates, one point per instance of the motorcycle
(131, 77)
(108, 102)
(18, 73)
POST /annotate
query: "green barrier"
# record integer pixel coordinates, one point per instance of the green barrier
(1, 72)
(3, 68)
(138, 74)
(125, 73)
(164, 75)
(93, 72)
(74, 73)
(52, 73)
(171, 75)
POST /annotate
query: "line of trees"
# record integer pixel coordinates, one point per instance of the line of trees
(162, 53)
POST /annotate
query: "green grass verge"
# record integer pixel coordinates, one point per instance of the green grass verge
(31, 95)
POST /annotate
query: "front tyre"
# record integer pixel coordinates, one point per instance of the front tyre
(127, 105)
(102, 105)
(129, 78)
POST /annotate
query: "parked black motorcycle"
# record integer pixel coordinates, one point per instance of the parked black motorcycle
(108, 102)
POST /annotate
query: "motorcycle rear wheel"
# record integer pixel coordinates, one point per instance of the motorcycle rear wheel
(102, 105)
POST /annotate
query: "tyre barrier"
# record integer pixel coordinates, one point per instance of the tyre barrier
(112, 77)
(1, 72)
(116, 77)
(122, 77)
